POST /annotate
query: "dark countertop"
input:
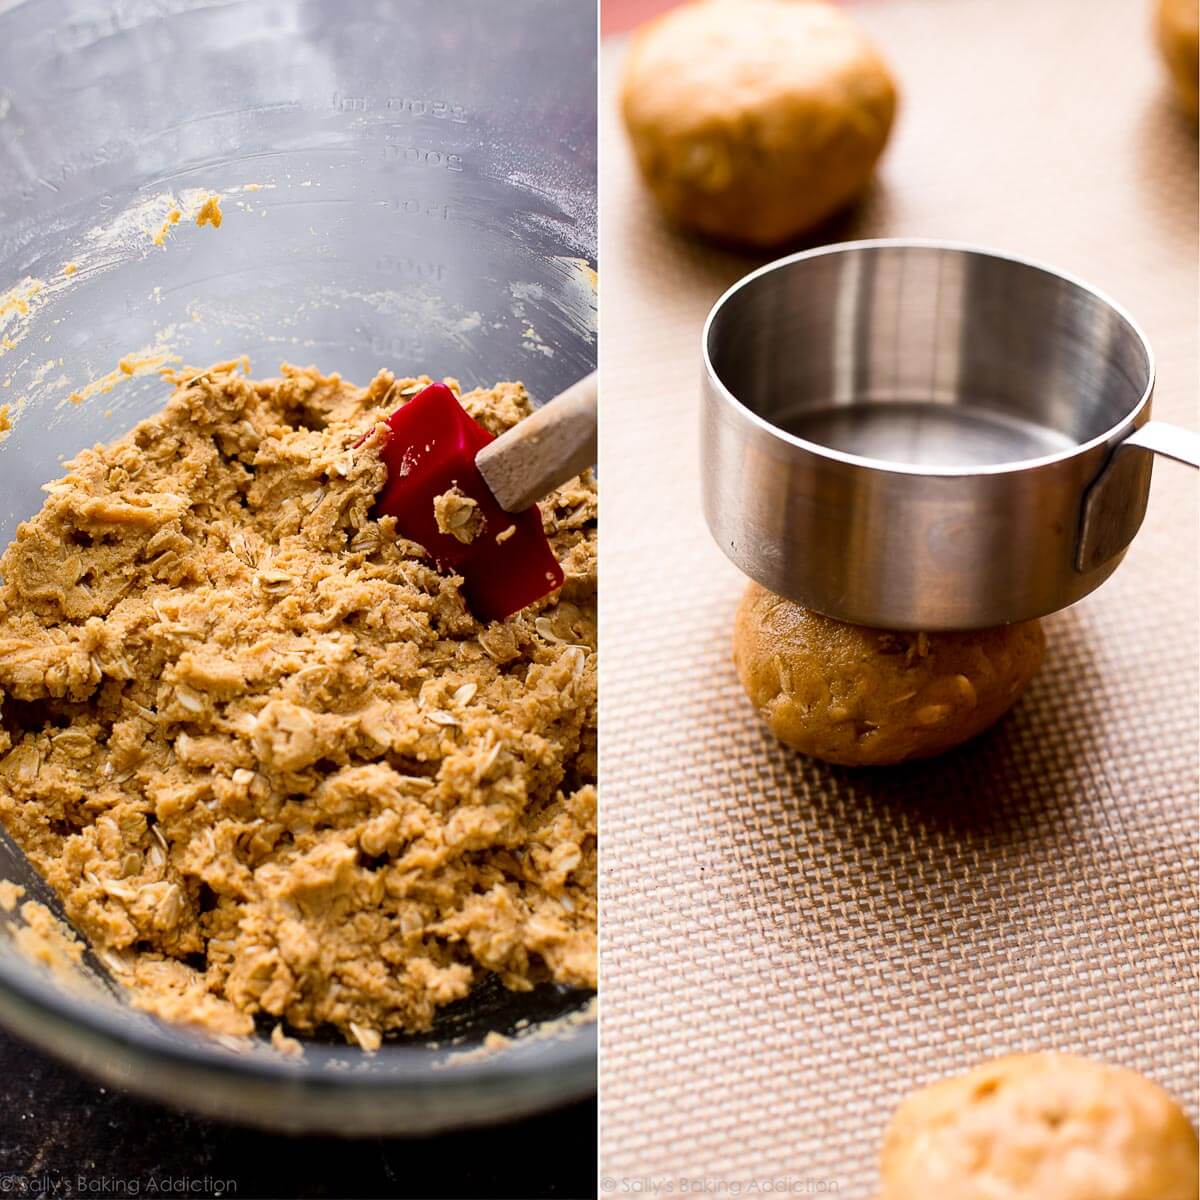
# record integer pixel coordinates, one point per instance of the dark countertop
(63, 1135)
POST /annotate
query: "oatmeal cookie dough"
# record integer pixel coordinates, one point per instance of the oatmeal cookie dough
(754, 120)
(458, 515)
(1040, 1126)
(260, 747)
(866, 697)
(1178, 29)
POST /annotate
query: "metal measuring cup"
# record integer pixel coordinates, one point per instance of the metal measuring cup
(925, 436)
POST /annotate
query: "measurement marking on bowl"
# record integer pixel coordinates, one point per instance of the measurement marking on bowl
(413, 106)
(80, 35)
(433, 210)
(73, 164)
(441, 110)
(387, 264)
(422, 156)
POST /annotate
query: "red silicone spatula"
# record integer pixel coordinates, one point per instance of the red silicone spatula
(434, 445)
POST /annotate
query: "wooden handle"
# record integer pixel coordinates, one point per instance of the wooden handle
(553, 444)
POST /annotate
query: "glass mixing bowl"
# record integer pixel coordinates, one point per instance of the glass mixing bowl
(404, 185)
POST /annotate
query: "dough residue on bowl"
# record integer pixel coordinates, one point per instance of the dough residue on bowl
(210, 212)
(262, 750)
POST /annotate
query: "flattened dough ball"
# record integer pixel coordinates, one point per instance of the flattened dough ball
(864, 697)
(1178, 23)
(754, 120)
(1036, 1126)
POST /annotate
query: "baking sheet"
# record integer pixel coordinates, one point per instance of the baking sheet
(789, 948)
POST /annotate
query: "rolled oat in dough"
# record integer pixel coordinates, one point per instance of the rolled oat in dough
(458, 515)
(260, 747)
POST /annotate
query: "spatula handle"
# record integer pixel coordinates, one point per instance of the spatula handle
(550, 446)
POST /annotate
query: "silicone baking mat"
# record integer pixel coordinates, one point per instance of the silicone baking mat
(788, 948)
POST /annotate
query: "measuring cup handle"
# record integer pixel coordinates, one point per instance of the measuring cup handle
(1172, 441)
(1115, 503)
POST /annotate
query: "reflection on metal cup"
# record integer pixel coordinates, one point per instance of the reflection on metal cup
(919, 435)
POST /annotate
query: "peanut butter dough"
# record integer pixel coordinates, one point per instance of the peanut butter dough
(260, 747)
(1040, 1127)
(458, 515)
(754, 120)
(1178, 28)
(866, 697)
(210, 212)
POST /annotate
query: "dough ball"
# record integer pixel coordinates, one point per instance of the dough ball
(866, 697)
(1179, 40)
(1037, 1126)
(754, 120)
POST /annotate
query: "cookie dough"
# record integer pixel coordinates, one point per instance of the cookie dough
(1040, 1126)
(458, 515)
(1178, 27)
(754, 120)
(210, 212)
(866, 697)
(260, 747)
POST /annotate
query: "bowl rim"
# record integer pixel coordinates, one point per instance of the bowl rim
(407, 1064)
(1115, 432)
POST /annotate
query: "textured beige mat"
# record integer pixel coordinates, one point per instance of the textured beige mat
(788, 948)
